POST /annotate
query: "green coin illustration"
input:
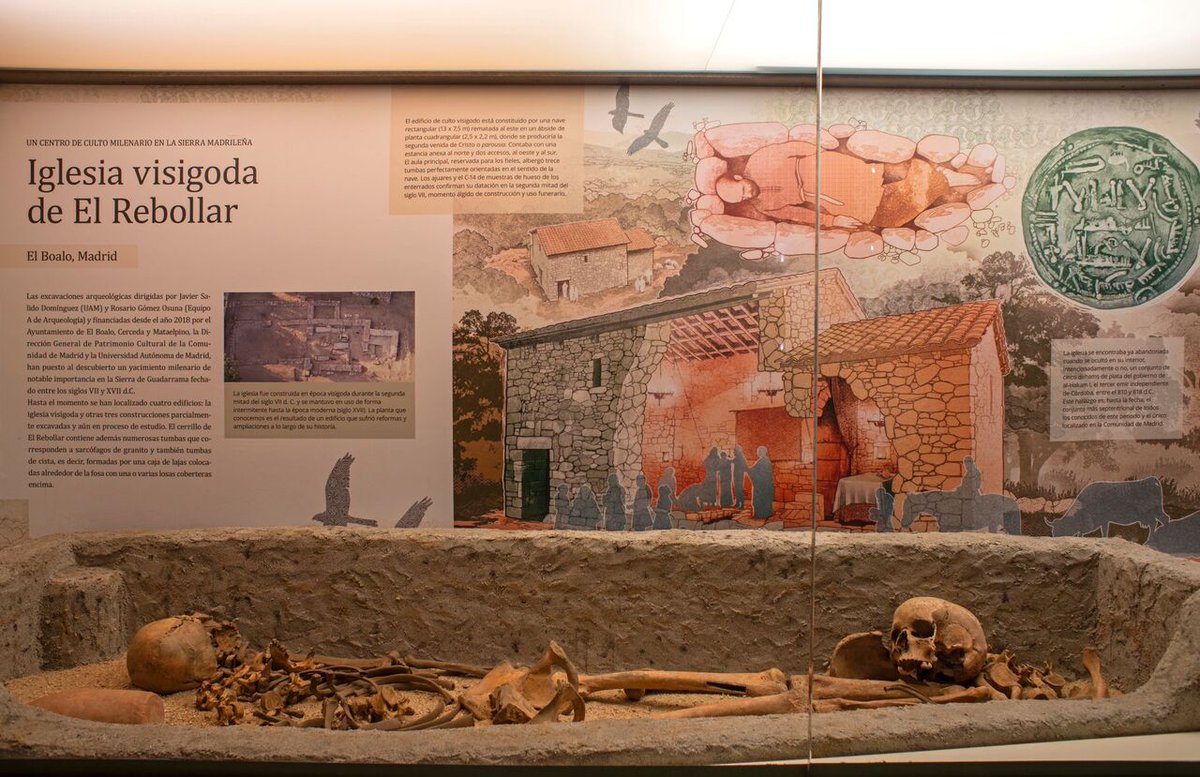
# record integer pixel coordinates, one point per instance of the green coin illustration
(1111, 217)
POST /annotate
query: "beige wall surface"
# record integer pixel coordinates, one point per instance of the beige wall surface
(315, 221)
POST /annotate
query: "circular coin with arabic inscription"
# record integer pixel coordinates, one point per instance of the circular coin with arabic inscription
(1112, 217)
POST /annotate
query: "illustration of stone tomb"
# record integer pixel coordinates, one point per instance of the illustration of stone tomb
(659, 386)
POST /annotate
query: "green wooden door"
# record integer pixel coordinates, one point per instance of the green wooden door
(535, 484)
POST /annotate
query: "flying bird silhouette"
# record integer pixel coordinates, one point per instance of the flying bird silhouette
(415, 514)
(651, 132)
(337, 497)
(621, 113)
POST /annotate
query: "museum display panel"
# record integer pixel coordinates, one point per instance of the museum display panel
(625, 381)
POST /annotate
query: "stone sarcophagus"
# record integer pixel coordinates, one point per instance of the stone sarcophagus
(705, 602)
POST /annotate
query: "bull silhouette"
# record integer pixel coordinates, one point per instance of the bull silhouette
(1123, 502)
(1181, 536)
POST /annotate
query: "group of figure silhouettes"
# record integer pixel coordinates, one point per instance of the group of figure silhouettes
(724, 486)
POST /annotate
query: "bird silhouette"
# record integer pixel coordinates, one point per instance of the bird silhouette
(651, 132)
(415, 514)
(621, 112)
(337, 497)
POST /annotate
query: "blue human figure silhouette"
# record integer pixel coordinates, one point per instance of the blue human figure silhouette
(740, 467)
(614, 504)
(881, 513)
(643, 519)
(662, 508)
(726, 480)
(562, 507)
(668, 480)
(585, 512)
(762, 480)
(712, 465)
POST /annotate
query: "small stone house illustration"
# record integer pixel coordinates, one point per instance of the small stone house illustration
(659, 385)
(585, 257)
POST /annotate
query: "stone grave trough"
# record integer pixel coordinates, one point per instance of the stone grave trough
(713, 601)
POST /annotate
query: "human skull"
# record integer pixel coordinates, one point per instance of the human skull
(933, 640)
(172, 654)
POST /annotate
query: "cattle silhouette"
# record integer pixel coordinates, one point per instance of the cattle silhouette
(1181, 536)
(1104, 502)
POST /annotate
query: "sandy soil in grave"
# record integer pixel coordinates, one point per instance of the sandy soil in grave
(181, 707)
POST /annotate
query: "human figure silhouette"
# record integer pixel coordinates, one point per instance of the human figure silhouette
(690, 498)
(969, 490)
(726, 483)
(668, 480)
(740, 465)
(881, 513)
(712, 466)
(562, 507)
(643, 519)
(762, 480)
(972, 480)
(585, 512)
(662, 508)
(614, 504)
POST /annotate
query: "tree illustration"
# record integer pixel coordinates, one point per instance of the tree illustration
(1033, 317)
(478, 406)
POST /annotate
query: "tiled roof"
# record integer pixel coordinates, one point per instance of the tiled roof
(580, 236)
(676, 307)
(639, 239)
(954, 327)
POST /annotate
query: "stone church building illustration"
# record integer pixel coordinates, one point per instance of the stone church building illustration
(586, 257)
(639, 390)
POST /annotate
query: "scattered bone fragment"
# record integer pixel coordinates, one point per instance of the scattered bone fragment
(509, 706)
(1091, 662)
(449, 667)
(853, 689)
(1001, 677)
(778, 704)
(982, 682)
(766, 683)
(796, 700)
(566, 699)
(862, 656)
(509, 694)
(105, 705)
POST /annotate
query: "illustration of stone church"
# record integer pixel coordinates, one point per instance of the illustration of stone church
(659, 385)
(585, 257)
